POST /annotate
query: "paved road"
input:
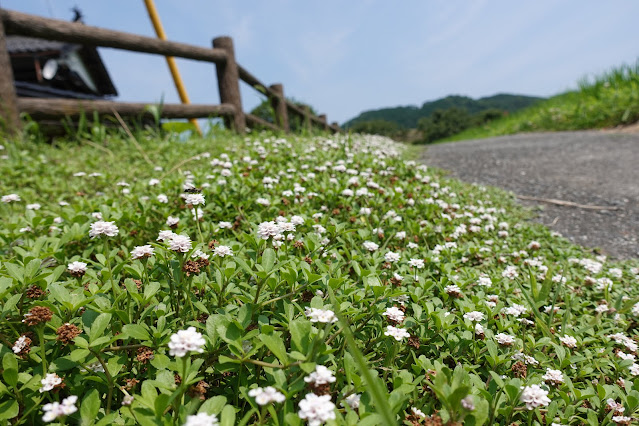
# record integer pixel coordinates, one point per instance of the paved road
(590, 168)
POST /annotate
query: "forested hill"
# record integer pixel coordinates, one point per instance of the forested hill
(407, 116)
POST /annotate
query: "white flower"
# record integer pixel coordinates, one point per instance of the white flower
(77, 267)
(320, 315)
(634, 369)
(199, 254)
(569, 341)
(103, 228)
(165, 235)
(201, 419)
(510, 272)
(353, 400)
(153, 182)
(416, 263)
(484, 281)
(622, 420)
(172, 221)
(96, 367)
(479, 330)
(225, 225)
(10, 198)
(370, 246)
(20, 344)
(194, 199)
(265, 395)
(515, 310)
(185, 341)
(181, 243)
(34, 206)
(140, 252)
(54, 410)
(297, 220)
(222, 251)
(127, 400)
(468, 404)
(50, 381)
(265, 230)
(534, 396)
(394, 314)
(615, 406)
(365, 211)
(316, 409)
(321, 376)
(396, 333)
(162, 198)
(474, 316)
(392, 257)
(419, 413)
(263, 202)
(553, 376)
(504, 339)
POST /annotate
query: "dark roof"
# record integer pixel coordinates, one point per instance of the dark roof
(20, 44)
(34, 90)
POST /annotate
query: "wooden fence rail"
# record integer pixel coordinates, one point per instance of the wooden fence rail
(222, 54)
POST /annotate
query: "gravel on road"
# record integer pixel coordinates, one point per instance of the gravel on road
(593, 168)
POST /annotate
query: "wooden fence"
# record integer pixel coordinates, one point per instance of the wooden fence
(222, 54)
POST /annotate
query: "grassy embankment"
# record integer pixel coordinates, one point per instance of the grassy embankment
(607, 100)
(315, 266)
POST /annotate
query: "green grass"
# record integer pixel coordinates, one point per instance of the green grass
(605, 100)
(322, 293)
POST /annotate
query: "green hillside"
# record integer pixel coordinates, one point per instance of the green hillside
(407, 116)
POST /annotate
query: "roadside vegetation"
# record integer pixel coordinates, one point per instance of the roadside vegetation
(607, 100)
(157, 280)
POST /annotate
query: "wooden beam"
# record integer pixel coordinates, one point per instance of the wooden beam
(39, 108)
(254, 121)
(75, 32)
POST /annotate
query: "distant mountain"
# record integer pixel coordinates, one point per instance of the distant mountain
(407, 116)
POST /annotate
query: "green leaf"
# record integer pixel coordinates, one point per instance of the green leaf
(9, 409)
(268, 259)
(90, 407)
(300, 331)
(276, 345)
(10, 369)
(99, 325)
(228, 416)
(213, 405)
(151, 289)
(136, 331)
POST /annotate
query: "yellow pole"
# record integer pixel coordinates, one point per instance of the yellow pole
(170, 60)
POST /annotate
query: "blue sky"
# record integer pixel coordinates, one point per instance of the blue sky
(344, 57)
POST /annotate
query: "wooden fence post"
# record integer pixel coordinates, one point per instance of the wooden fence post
(336, 128)
(228, 82)
(279, 106)
(324, 121)
(8, 98)
(307, 118)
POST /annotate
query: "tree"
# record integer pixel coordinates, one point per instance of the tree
(376, 127)
(444, 123)
(266, 113)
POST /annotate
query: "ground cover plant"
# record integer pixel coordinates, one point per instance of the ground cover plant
(607, 100)
(290, 281)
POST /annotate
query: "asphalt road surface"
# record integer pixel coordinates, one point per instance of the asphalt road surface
(591, 168)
